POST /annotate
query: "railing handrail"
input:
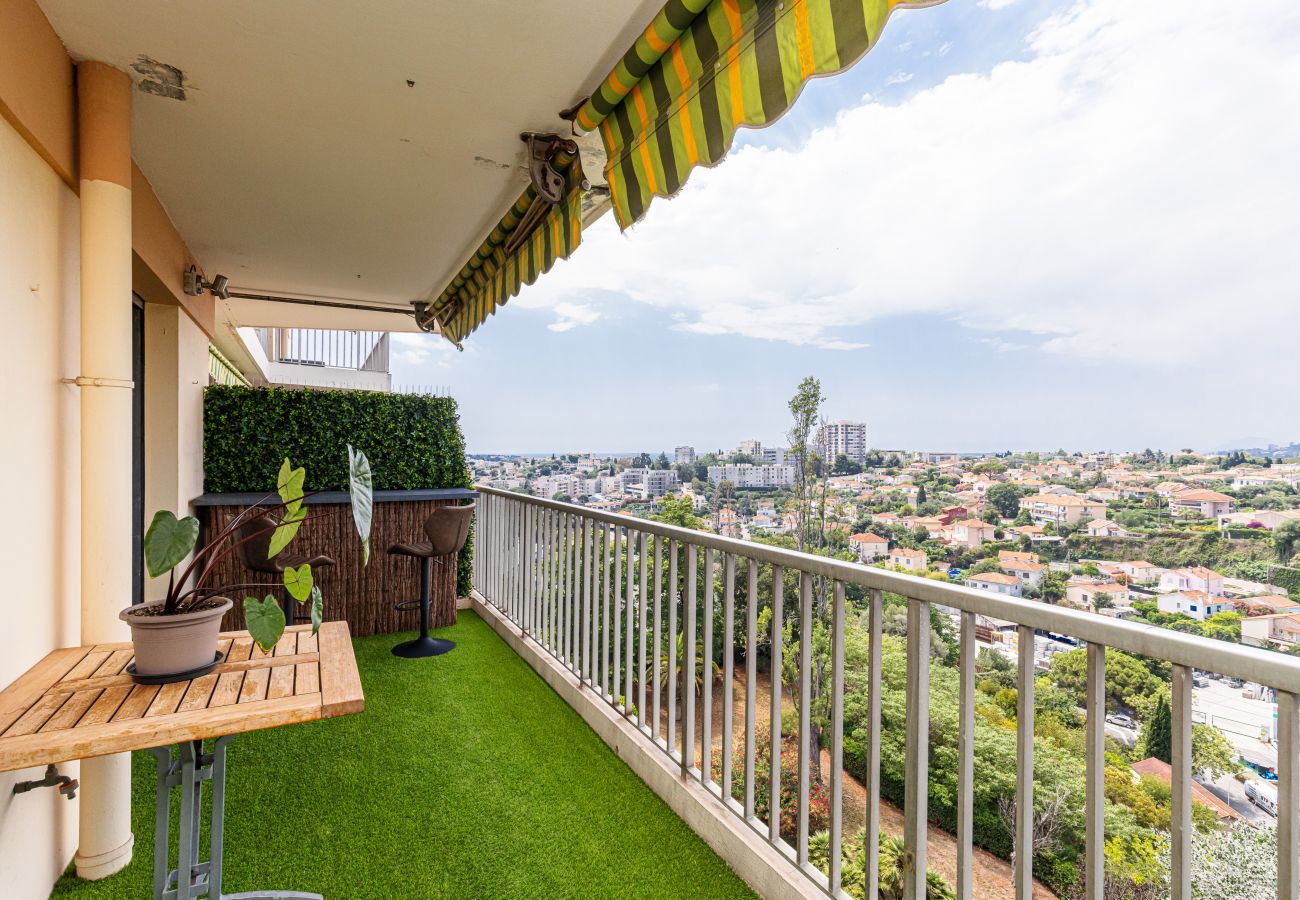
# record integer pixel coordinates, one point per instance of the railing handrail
(1248, 663)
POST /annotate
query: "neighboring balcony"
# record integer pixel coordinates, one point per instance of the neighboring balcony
(320, 358)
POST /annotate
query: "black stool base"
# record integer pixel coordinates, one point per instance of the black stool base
(422, 647)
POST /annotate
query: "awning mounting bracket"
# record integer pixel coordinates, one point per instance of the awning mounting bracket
(547, 180)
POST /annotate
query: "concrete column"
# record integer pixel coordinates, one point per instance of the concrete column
(104, 122)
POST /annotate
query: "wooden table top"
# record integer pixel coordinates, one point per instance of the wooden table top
(79, 702)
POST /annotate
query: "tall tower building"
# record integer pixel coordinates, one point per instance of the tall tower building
(843, 436)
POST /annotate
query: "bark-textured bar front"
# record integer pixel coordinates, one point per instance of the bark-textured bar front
(360, 594)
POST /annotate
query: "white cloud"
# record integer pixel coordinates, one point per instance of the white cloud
(411, 349)
(899, 77)
(996, 4)
(945, 48)
(571, 315)
(1126, 191)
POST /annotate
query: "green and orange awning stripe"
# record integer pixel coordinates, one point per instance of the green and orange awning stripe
(495, 274)
(738, 63)
(667, 27)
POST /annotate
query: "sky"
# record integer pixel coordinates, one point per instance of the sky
(1015, 224)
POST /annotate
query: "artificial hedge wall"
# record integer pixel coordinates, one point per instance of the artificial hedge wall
(413, 441)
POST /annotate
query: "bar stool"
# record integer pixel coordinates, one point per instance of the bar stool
(258, 532)
(447, 529)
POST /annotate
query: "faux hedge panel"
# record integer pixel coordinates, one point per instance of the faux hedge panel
(413, 441)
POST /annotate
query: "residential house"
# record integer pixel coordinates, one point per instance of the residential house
(1090, 592)
(1061, 509)
(914, 561)
(970, 533)
(869, 546)
(1027, 572)
(1107, 528)
(1139, 571)
(1200, 502)
(1265, 605)
(997, 582)
(1192, 578)
(1006, 556)
(950, 514)
(1152, 767)
(1196, 604)
(1282, 629)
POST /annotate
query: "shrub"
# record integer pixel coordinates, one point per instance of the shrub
(818, 797)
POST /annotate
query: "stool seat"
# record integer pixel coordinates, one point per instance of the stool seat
(420, 549)
(254, 543)
(446, 529)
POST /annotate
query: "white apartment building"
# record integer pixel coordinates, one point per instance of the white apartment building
(752, 448)
(684, 456)
(1199, 502)
(1197, 604)
(746, 475)
(1061, 509)
(648, 483)
(1192, 578)
(777, 456)
(843, 436)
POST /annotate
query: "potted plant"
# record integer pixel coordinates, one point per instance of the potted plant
(177, 636)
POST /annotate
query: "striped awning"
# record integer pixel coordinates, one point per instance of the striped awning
(700, 70)
(502, 266)
(706, 67)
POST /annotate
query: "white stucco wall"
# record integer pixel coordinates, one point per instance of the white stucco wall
(39, 454)
(176, 372)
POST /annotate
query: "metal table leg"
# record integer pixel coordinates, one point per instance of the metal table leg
(192, 878)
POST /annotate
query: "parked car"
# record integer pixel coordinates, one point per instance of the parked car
(1200, 681)
(1234, 682)
(1122, 721)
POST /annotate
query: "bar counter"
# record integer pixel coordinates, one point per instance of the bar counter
(362, 596)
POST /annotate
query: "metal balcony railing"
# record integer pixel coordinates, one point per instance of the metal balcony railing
(590, 588)
(365, 351)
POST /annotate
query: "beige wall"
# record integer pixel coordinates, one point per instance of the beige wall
(175, 373)
(40, 531)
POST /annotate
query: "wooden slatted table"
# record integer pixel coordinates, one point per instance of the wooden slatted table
(79, 702)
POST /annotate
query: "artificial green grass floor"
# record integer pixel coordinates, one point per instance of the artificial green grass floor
(466, 776)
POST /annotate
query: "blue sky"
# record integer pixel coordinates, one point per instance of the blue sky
(1014, 224)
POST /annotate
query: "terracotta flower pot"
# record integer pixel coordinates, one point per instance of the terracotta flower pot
(169, 645)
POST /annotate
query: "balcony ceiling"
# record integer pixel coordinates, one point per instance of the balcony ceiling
(300, 161)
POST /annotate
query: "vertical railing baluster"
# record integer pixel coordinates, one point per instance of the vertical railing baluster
(566, 592)
(837, 738)
(805, 709)
(728, 667)
(915, 814)
(706, 672)
(1094, 854)
(1180, 825)
(589, 605)
(629, 662)
(658, 637)
(688, 668)
(616, 682)
(1023, 847)
(774, 761)
(606, 542)
(529, 574)
(965, 754)
(642, 605)
(751, 682)
(1288, 797)
(672, 645)
(575, 586)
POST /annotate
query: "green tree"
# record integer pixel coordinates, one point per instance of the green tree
(661, 462)
(1005, 498)
(1158, 733)
(920, 494)
(845, 466)
(679, 511)
(1286, 540)
(1212, 753)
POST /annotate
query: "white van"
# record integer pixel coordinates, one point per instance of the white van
(1262, 795)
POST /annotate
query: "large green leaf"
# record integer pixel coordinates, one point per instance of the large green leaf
(290, 484)
(361, 487)
(299, 582)
(168, 541)
(284, 532)
(317, 609)
(265, 621)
